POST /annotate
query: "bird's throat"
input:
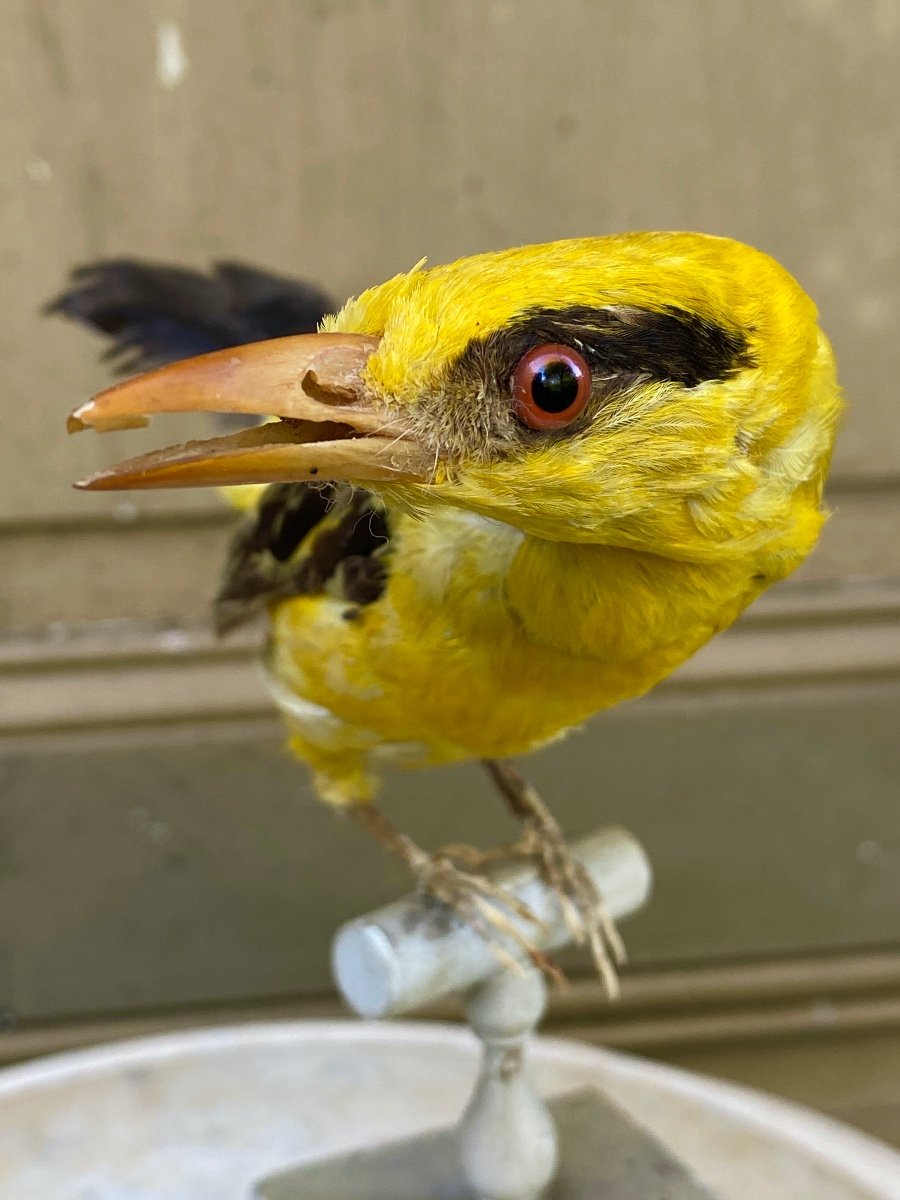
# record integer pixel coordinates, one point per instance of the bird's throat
(614, 605)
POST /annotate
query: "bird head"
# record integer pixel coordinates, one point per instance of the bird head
(665, 392)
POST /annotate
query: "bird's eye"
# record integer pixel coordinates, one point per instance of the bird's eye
(551, 386)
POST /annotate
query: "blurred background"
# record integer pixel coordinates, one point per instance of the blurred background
(162, 862)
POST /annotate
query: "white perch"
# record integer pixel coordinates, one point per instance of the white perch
(410, 953)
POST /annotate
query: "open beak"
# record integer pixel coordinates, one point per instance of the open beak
(330, 426)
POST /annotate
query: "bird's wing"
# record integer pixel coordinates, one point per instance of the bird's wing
(305, 539)
(157, 314)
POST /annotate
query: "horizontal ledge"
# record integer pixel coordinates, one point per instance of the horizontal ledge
(671, 1007)
(848, 603)
(118, 674)
(696, 985)
(168, 512)
(807, 1018)
(127, 516)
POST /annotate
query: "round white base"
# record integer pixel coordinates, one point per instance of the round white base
(204, 1115)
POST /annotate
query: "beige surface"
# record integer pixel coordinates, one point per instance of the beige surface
(346, 140)
(853, 1078)
(207, 1114)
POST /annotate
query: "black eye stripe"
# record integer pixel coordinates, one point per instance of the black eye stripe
(631, 343)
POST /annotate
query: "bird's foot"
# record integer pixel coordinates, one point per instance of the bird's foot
(543, 844)
(584, 910)
(487, 907)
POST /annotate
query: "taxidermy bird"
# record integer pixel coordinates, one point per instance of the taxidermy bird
(493, 498)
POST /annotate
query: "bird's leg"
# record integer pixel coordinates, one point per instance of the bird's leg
(484, 905)
(542, 842)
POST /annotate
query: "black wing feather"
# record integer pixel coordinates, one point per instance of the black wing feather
(157, 314)
(305, 539)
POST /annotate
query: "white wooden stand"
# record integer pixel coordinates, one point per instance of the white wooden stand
(408, 954)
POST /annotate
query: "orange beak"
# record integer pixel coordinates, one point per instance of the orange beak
(330, 428)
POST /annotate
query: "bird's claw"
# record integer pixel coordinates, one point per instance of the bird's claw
(584, 910)
(585, 914)
(485, 906)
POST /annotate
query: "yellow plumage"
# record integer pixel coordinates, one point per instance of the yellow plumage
(599, 564)
(540, 563)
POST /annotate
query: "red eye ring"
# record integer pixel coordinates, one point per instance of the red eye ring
(551, 386)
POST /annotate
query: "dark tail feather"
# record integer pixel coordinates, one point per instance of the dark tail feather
(158, 314)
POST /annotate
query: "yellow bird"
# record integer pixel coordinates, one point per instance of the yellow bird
(497, 496)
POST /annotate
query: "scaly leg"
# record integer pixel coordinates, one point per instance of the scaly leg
(542, 842)
(483, 905)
